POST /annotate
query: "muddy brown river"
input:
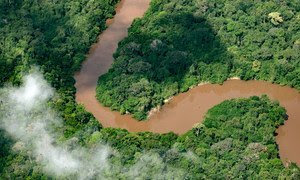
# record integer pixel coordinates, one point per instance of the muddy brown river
(186, 109)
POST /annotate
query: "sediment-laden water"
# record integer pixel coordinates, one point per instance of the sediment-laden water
(186, 109)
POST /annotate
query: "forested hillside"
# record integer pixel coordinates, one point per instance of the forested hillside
(180, 43)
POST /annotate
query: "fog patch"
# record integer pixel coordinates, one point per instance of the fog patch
(152, 165)
(26, 116)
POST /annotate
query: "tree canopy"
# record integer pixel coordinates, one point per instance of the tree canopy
(177, 44)
(180, 43)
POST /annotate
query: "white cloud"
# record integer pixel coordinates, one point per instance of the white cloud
(26, 115)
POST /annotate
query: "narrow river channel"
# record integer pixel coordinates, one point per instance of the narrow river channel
(186, 109)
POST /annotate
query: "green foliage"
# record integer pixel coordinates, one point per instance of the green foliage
(235, 141)
(55, 36)
(179, 44)
(176, 45)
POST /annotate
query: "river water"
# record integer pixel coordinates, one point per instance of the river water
(186, 109)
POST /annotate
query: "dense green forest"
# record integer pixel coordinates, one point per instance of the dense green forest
(177, 44)
(55, 36)
(235, 141)
(180, 43)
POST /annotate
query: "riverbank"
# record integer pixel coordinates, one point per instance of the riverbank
(186, 109)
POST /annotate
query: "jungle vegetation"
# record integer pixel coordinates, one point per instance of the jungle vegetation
(55, 36)
(235, 141)
(180, 43)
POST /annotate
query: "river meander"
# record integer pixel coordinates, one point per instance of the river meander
(186, 109)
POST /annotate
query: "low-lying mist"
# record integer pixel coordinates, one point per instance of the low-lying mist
(28, 118)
